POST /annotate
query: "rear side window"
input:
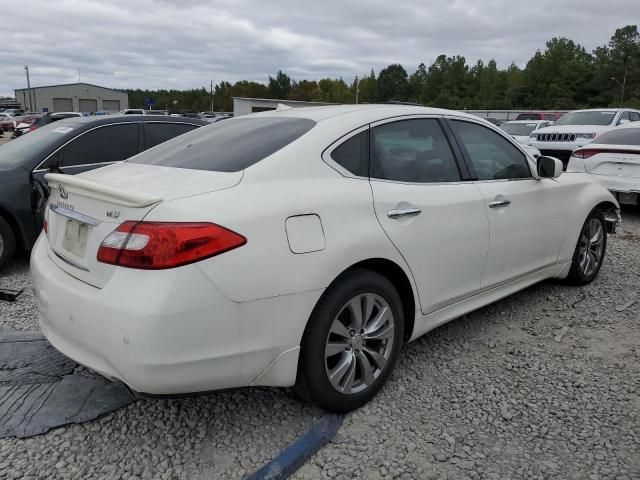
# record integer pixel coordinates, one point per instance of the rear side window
(635, 116)
(619, 136)
(112, 143)
(228, 146)
(415, 151)
(353, 154)
(492, 156)
(157, 133)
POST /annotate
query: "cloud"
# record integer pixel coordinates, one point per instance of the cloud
(170, 44)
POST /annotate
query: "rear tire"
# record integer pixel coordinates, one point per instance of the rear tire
(590, 250)
(351, 342)
(7, 242)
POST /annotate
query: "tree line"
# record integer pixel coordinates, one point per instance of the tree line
(563, 76)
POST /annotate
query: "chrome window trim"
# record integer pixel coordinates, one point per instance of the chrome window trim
(80, 217)
(40, 170)
(77, 137)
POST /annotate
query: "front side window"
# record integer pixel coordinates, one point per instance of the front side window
(353, 154)
(414, 151)
(624, 117)
(491, 155)
(112, 143)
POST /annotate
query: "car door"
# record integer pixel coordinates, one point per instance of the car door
(156, 133)
(436, 220)
(527, 215)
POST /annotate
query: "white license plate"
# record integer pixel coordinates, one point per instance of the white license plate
(75, 237)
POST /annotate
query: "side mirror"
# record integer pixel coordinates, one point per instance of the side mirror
(549, 167)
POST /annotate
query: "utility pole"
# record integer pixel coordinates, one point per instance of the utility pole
(26, 67)
(211, 96)
(622, 85)
(357, 89)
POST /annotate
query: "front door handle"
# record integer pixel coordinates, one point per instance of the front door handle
(404, 212)
(500, 203)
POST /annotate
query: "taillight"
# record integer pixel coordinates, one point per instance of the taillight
(158, 245)
(585, 153)
(33, 127)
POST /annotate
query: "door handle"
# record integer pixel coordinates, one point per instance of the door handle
(404, 212)
(499, 203)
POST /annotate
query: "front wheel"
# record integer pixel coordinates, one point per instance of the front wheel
(590, 250)
(351, 343)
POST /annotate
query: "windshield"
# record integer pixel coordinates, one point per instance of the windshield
(22, 148)
(227, 146)
(592, 117)
(518, 129)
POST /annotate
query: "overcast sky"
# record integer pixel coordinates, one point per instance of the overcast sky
(186, 43)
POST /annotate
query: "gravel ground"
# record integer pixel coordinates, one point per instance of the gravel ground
(5, 138)
(544, 384)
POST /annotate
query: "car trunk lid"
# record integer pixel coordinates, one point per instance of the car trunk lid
(85, 209)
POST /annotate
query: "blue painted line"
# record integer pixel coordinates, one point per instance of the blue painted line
(295, 455)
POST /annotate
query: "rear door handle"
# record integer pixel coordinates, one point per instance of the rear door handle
(499, 203)
(404, 212)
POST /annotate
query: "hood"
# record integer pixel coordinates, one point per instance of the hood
(167, 183)
(575, 129)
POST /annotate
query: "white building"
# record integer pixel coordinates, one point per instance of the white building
(244, 105)
(72, 97)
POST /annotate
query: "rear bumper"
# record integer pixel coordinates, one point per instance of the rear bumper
(169, 332)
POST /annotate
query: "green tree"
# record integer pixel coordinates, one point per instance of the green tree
(280, 86)
(393, 83)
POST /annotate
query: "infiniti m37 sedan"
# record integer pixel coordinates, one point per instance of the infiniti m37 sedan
(303, 247)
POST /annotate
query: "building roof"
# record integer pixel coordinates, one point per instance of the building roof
(70, 85)
(279, 100)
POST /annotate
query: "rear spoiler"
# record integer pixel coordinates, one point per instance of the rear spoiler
(99, 191)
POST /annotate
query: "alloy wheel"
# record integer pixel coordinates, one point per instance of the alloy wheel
(360, 343)
(591, 246)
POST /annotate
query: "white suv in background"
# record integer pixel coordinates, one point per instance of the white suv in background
(577, 128)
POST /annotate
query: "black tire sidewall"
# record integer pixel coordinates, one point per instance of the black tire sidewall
(312, 382)
(576, 276)
(8, 242)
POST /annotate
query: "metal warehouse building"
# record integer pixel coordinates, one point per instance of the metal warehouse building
(72, 97)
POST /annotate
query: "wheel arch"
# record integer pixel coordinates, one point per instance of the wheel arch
(18, 233)
(610, 212)
(400, 280)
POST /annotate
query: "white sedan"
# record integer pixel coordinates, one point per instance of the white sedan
(303, 247)
(614, 160)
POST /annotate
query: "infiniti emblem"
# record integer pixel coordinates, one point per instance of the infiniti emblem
(63, 192)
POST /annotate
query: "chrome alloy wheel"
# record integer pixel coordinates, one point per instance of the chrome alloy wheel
(359, 343)
(591, 246)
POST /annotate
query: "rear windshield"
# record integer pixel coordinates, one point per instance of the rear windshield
(620, 136)
(593, 117)
(23, 148)
(228, 146)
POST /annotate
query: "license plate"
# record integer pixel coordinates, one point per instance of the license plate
(75, 237)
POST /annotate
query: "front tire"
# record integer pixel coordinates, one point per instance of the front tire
(7, 242)
(351, 343)
(590, 249)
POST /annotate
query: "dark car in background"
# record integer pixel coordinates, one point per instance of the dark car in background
(69, 146)
(539, 116)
